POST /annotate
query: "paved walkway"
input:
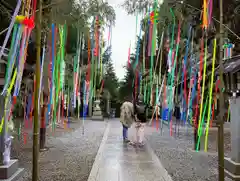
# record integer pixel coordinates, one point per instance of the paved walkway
(116, 161)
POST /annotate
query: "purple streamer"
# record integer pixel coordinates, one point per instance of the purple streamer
(41, 75)
(10, 27)
(12, 58)
(210, 12)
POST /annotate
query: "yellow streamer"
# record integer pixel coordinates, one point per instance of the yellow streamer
(19, 19)
(203, 87)
(7, 98)
(210, 95)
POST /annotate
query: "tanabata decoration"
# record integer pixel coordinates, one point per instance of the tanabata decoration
(184, 82)
(228, 48)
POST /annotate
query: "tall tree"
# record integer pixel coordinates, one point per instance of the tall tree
(126, 85)
(110, 80)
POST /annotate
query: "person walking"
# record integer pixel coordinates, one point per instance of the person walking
(126, 118)
(141, 119)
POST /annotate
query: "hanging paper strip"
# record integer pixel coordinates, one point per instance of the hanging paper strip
(203, 87)
(41, 71)
(7, 99)
(205, 18)
(210, 95)
(171, 93)
(12, 56)
(10, 28)
(129, 52)
(52, 72)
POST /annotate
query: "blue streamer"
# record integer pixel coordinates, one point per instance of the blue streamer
(13, 58)
(18, 79)
(42, 62)
(85, 106)
(10, 27)
(51, 90)
(184, 104)
(29, 106)
(193, 94)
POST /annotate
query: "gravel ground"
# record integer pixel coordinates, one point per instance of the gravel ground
(177, 156)
(70, 156)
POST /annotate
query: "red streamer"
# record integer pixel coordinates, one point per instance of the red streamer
(129, 52)
(214, 102)
(89, 61)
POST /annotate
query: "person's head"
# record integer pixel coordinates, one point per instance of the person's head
(128, 99)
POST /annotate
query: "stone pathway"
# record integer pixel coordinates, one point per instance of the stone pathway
(116, 161)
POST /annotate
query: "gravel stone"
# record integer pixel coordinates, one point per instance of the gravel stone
(70, 156)
(178, 157)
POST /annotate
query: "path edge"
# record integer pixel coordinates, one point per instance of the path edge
(166, 176)
(95, 167)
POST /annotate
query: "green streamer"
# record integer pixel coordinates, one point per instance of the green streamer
(62, 63)
(171, 49)
(144, 51)
(19, 130)
(11, 50)
(173, 71)
(145, 92)
(149, 92)
(57, 72)
(201, 123)
(160, 64)
(204, 78)
(228, 116)
(157, 90)
(153, 48)
(173, 28)
(91, 92)
(56, 90)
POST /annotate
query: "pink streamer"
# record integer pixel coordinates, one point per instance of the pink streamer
(150, 39)
(210, 12)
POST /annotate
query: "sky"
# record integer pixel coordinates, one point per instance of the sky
(123, 33)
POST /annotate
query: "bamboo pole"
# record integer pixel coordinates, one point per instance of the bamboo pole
(221, 116)
(35, 166)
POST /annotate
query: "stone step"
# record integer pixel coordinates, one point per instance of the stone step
(100, 118)
(15, 176)
(8, 171)
(232, 166)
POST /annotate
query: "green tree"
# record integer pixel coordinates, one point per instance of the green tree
(111, 80)
(126, 85)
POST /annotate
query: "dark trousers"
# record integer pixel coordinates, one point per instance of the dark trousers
(125, 132)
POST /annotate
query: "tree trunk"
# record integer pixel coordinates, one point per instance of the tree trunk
(42, 139)
(35, 166)
(221, 119)
(43, 123)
